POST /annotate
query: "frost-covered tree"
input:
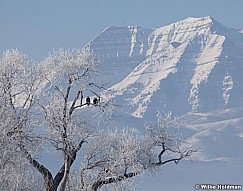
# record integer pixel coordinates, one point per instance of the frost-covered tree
(41, 108)
(18, 84)
(69, 76)
(55, 105)
(113, 156)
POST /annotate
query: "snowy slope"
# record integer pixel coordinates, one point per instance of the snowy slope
(120, 50)
(239, 30)
(219, 136)
(191, 65)
(194, 69)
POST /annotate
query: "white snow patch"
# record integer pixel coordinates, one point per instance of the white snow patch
(228, 85)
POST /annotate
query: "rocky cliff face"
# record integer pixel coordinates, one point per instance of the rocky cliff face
(194, 69)
(120, 50)
(194, 65)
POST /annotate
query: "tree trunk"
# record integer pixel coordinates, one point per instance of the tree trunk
(49, 184)
(66, 173)
(95, 186)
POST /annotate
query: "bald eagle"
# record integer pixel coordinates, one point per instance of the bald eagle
(95, 101)
(88, 100)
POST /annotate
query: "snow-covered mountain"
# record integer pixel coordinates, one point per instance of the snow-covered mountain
(194, 65)
(120, 50)
(193, 68)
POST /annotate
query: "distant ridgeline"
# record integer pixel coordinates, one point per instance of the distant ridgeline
(194, 65)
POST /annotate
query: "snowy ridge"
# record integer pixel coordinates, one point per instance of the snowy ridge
(120, 50)
(192, 68)
(185, 67)
(218, 134)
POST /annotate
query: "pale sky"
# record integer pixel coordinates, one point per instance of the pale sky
(35, 27)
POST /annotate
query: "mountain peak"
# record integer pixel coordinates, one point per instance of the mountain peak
(120, 49)
(117, 28)
(198, 19)
(188, 24)
(183, 62)
(187, 66)
(192, 68)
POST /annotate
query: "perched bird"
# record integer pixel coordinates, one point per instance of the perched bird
(88, 100)
(95, 101)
